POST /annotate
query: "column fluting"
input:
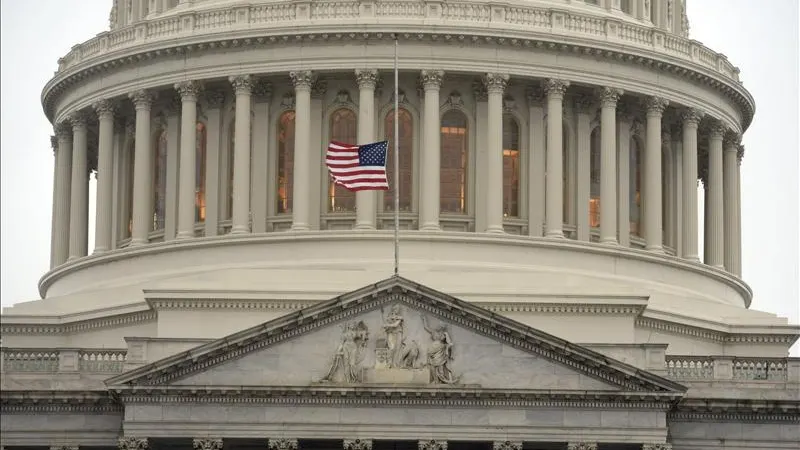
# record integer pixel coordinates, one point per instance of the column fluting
(431, 157)
(142, 170)
(495, 86)
(366, 201)
(716, 230)
(554, 90)
(188, 91)
(536, 161)
(608, 164)
(242, 87)
(652, 175)
(624, 124)
(585, 108)
(301, 201)
(62, 194)
(105, 176)
(690, 118)
(729, 174)
(79, 200)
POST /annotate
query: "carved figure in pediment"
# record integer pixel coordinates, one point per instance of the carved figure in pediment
(399, 354)
(440, 353)
(346, 366)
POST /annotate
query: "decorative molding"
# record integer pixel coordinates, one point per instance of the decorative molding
(507, 445)
(207, 443)
(740, 153)
(431, 79)
(287, 101)
(609, 96)
(319, 88)
(657, 446)
(242, 84)
(79, 120)
(64, 447)
(479, 91)
(79, 326)
(366, 78)
(54, 142)
(262, 91)
(282, 444)
(214, 99)
(655, 106)
(554, 88)
(495, 82)
(188, 90)
(732, 140)
(786, 416)
(104, 109)
(142, 99)
(343, 99)
(691, 116)
(509, 104)
(432, 445)
(453, 101)
(132, 443)
(535, 95)
(584, 103)
(302, 79)
(357, 444)
(582, 446)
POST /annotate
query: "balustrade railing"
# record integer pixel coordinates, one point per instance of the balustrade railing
(63, 360)
(30, 360)
(700, 368)
(517, 16)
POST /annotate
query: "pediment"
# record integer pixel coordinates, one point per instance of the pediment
(395, 333)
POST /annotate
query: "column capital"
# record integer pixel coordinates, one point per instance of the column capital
(63, 131)
(555, 88)
(691, 116)
(262, 90)
(582, 446)
(432, 445)
(716, 130)
(507, 445)
(495, 82)
(366, 78)
(78, 120)
(609, 96)
(282, 444)
(54, 142)
(655, 106)
(207, 443)
(357, 444)
(740, 153)
(132, 443)
(214, 99)
(242, 84)
(431, 79)
(732, 139)
(63, 447)
(657, 446)
(302, 79)
(535, 95)
(142, 99)
(188, 90)
(104, 108)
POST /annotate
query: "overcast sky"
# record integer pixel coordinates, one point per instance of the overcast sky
(760, 37)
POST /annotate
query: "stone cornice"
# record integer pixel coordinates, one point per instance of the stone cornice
(788, 338)
(53, 402)
(638, 45)
(110, 321)
(634, 254)
(392, 395)
(736, 410)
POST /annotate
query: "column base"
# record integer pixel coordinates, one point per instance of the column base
(184, 235)
(138, 242)
(364, 226)
(719, 266)
(495, 229)
(694, 258)
(555, 234)
(609, 241)
(240, 230)
(100, 251)
(300, 227)
(655, 249)
(430, 227)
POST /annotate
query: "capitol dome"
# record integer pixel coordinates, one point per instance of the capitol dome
(550, 153)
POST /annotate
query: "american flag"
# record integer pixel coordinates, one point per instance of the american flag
(358, 167)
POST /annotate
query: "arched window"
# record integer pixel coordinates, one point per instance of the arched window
(510, 167)
(406, 162)
(594, 178)
(453, 174)
(343, 128)
(160, 180)
(635, 181)
(285, 162)
(200, 173)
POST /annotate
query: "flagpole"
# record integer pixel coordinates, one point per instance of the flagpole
(396, 165)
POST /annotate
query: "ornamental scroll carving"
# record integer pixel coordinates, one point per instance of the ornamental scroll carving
(207, 444)
(132, 443)
(582, 446)
(420, 352)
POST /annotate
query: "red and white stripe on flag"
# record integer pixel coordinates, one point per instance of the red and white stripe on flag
(358, 167)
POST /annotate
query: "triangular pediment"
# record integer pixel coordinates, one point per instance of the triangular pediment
(395, 333)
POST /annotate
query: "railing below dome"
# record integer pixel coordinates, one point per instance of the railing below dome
(57, 360)
(714, 368)
(480, 16)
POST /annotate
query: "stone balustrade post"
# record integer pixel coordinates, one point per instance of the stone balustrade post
(723, 367)
(68, 360)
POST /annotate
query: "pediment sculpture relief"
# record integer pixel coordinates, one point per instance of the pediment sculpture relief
(398, 353)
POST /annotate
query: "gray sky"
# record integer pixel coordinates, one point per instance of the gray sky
(761, 37)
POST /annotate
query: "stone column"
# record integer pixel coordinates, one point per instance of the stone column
(53, 232)
(142, 170)
(652, 175)
(431, 152)
(282, 444)
(582, 446)
(738, 217)
(480, 174)
(432, 445)
(61, 194)
(357, 444)
(690, 118)
(536, 161)
(715, 235)
(132, 443)
(188, 91)
(173, 119)
(79, 200)
(554, 90)
(207, 443)
(624, 123)
(105, 177)
(583, 105)
(729, 174)
(259, 175)
(242, 86)
(301, 200)
(608, 164)
(214, 101)
(366, 201)
(495, 85)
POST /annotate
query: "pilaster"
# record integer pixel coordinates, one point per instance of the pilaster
(481, 153)
(584, 106)
(259, 173)
(214, 101)
(624, 122)
(536, 161)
